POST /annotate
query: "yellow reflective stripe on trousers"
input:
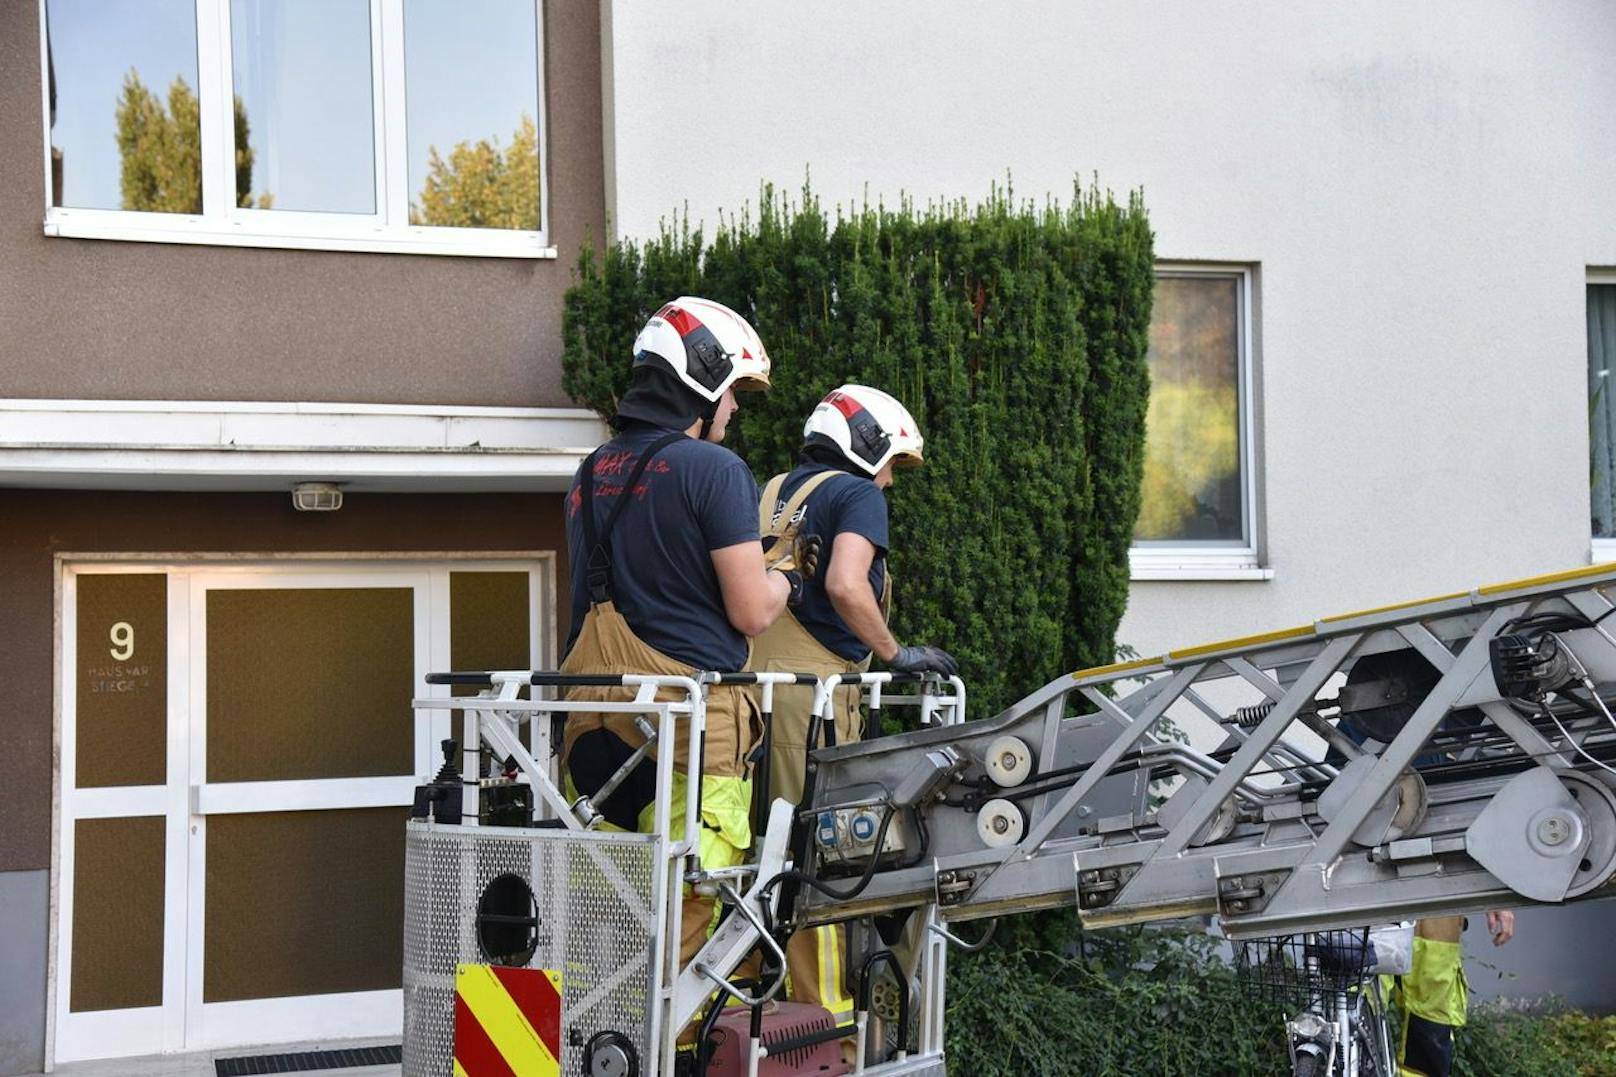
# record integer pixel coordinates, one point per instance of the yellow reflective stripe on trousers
(832, 990)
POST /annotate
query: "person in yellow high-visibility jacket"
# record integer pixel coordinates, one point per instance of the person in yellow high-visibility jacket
(1434, 996)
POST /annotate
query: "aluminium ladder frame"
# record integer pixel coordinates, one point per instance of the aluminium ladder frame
(1333, 843)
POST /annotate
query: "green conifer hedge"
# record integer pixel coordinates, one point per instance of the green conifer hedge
(1016, 335)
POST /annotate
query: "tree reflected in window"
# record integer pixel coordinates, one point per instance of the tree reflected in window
(160, 150)
(471, 74)
(125, 117)
(360, 137)
(481, 186)
(1192, 490)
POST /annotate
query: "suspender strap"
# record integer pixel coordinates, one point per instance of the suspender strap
(598, 566)
(775, 523)
(770, 498)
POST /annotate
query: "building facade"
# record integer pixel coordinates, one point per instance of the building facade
(1386, 298)
(220, 279)
(1386, 308)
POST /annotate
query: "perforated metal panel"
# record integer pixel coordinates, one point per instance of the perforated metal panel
(596, 897)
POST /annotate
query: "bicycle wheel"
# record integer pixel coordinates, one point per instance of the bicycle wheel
(1374, 1041)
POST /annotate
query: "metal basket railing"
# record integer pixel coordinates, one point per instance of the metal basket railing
(1295, 971)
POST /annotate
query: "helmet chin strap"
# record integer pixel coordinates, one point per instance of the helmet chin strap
(709, 416)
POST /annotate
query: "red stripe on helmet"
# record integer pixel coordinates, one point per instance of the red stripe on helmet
(683, 322)
(844, 403)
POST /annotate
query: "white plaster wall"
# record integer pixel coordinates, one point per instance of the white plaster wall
(1422, 186)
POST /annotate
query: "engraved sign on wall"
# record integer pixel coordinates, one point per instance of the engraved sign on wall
(122, 679)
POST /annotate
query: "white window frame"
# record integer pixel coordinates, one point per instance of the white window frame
(1601, 550)
(222, 223)
(1218, 560)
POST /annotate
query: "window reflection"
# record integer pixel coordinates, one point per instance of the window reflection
(303, 142)
(125, 118)
(1602, 409)
(472, 102)
(1192, 489)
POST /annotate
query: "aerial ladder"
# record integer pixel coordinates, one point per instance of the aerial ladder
(1436, 757)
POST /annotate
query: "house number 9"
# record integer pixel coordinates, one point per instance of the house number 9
(123, 641)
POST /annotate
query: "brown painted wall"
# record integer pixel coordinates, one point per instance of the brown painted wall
(110, 320)
(35, 525)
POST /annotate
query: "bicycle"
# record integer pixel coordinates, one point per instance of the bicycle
(1327, 985)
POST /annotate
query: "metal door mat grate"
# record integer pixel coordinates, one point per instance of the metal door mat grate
(302, 1061)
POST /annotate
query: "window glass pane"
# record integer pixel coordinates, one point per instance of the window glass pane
(1602, 407)
(303, 903)
(488, 628)
(303, 143)
(310, 683)
(1192, 486)
(125, 124)
(121, 708)
(118, 913)
(472, 103)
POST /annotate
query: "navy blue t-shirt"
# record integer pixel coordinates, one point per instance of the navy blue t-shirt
(694, 497)
(843, 502)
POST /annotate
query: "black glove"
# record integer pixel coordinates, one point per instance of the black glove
(795, 579)
(924, 658)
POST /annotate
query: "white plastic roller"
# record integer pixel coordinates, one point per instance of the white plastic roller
(1000, 824)
(1008, 761)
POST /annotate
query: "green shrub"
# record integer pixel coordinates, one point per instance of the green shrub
(1536, 1043)
(1589, 1043)
(1156, 1002)
(1017, 337)
(1160, 1001)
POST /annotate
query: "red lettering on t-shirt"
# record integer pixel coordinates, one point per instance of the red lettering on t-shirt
(613, 463)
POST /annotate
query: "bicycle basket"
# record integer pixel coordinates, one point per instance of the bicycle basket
(1293, 970)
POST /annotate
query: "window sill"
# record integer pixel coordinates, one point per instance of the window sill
(1188, 563)
(454, 242)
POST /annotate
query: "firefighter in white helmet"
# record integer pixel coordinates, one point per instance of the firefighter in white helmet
(668, 576)
(852, 441)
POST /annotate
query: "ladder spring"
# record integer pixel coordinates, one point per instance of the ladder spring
(1251, 717)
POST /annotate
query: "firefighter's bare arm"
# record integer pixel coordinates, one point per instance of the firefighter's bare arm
(753, 595)
(847, 582)
(1501, 926)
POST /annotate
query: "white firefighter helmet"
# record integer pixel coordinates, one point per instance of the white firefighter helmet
(868, 427)
(707, 346)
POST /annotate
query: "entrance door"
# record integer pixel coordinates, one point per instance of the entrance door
(238, 754)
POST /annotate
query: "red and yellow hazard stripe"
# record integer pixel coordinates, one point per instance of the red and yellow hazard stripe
(507, 1022)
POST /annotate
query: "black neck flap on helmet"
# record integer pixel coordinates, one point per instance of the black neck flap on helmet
(659, 398)
(821, 451)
